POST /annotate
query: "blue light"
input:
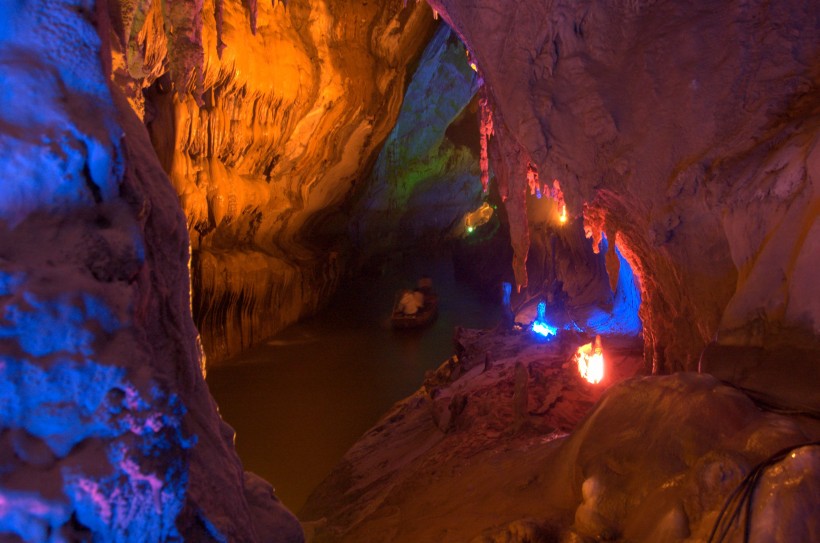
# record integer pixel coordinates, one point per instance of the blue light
(623, 318)
(539, 325)
(543, 329)
(627, 299)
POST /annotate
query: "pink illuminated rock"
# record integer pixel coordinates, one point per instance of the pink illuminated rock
(704, 165)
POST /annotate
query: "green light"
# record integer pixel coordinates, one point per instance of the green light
(470, 229)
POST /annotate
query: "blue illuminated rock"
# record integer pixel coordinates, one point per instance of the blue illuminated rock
(423, 182)
(107, 429)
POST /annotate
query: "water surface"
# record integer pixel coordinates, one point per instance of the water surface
(301, 400)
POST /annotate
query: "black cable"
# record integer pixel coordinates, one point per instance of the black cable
(746, 490)
(767, 403)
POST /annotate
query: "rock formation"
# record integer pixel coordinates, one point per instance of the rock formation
(270, 115)
(684, 134)
(688, 134)
(107, 429)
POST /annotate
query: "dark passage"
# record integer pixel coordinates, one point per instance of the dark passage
(300, 401)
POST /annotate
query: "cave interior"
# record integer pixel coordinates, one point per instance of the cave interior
(631, 184)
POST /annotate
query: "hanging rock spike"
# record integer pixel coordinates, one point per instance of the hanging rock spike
(532, 179)
(486, 130)
(219, 18)
(253, 9)
(183, 28)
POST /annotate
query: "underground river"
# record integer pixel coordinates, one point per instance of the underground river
(299, 401)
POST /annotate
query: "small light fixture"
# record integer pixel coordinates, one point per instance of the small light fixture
(474, 219)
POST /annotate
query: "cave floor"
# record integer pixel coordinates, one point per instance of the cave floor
(461, 450)
(505, 442)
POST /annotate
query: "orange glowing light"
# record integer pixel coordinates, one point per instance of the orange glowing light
(590, 358)
(563, 217)
(476, 218)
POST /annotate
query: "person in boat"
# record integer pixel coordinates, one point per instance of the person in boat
(410, 302)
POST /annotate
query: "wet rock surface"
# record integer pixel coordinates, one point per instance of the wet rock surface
(107, 428)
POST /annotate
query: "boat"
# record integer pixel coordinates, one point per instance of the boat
(423, 317)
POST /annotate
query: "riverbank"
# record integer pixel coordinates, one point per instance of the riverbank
(506, 443)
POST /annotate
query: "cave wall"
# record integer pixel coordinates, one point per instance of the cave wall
(426, 176)
(107, 429)
(688, 133)
(266, 116)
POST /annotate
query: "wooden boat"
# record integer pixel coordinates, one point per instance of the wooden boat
(423, 317)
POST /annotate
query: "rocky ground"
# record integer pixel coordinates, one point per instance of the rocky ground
(505, 442)
(496, 407)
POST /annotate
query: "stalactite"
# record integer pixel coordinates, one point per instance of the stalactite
(183, 27)
(557, 196)
(253, 12)
(532, 180)
(556, 193)
(516, 206)
(219, 13)
(486, 130)
(510, 165)
(594, 226)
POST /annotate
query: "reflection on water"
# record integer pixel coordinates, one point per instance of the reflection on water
(300, 401)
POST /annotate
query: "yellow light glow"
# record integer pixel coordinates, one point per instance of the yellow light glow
(470, 61)
(563, 217)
